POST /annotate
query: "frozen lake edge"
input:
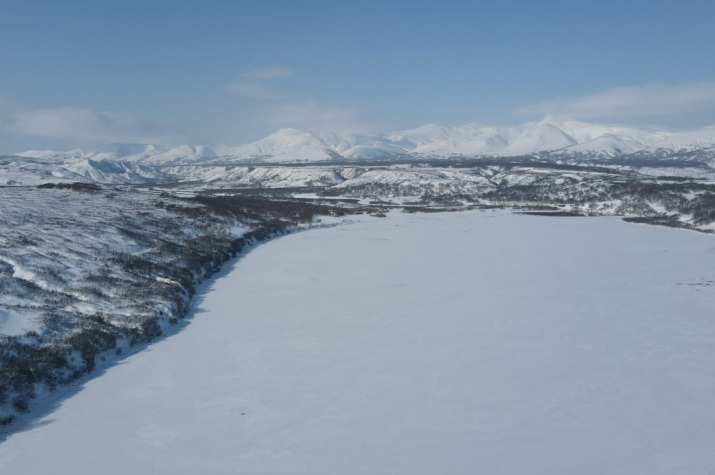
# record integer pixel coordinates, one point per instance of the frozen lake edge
(410, 345)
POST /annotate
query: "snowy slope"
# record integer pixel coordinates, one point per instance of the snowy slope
(105, 171)
(608, 144)
(148, 155)
(21, 171)
(415, 182)
(283, 145)
(537, 137)
(291, 145)
(471, 139)
(688, 140)
(286, 177)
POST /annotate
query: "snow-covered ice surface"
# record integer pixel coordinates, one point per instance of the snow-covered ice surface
(476, 342)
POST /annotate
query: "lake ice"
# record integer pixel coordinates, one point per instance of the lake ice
(451, 343)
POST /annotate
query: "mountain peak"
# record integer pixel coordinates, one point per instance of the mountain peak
(291, 131)
(557, 120)
(289, 144)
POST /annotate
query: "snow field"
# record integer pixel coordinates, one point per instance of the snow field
(419, 344)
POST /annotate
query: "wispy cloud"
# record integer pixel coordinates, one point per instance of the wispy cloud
(652, 100)
(253, 91)
(256, 84)
(313, 115)
(7, 111)
(269, 73)
(276, 109)
(84, 125)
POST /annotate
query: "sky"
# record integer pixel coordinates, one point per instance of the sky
(85, 72)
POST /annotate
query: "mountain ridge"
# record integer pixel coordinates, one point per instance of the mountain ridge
(289, 145)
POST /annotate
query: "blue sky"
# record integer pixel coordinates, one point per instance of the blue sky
(81, 72)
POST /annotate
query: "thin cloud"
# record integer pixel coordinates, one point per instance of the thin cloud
(652, 100)
(276, 110)
(255, 83)
(84, 125)
(253, 91)
(269, 73)
(313, 115)
(7, 111)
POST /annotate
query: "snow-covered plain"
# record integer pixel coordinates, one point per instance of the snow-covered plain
(475, 342)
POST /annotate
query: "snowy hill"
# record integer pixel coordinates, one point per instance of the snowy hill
(297, 145)
(148, 155)
(51, 167)
(688, 140)
(552, 134)
(283, 145)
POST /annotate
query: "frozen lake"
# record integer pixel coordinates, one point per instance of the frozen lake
(455, 343)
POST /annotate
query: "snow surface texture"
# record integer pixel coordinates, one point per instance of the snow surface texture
(419, 344)
(291, 145)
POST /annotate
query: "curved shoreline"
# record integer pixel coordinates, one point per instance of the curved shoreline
(50, 400)
(414, 343)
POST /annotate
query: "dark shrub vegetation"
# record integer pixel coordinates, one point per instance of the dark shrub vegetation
(77, 186)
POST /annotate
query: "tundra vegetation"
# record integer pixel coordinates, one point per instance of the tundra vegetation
(99, 273)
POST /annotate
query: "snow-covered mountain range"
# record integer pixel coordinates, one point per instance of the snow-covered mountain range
(290, 145)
